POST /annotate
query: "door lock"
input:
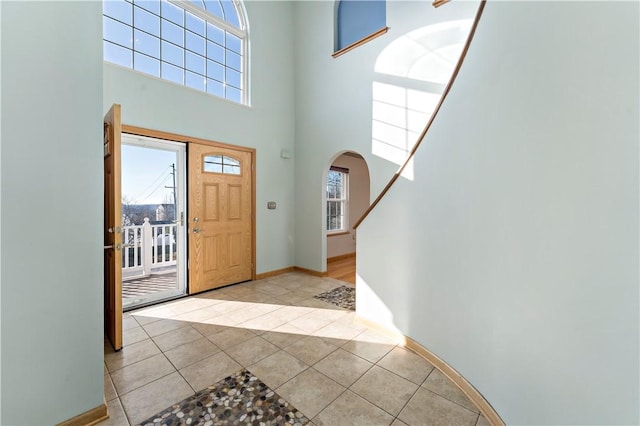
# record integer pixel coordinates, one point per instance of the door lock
(196, 230)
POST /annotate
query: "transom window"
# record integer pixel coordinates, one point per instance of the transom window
(357, 22)
(221, 164)
(196, 43)
(337, 196)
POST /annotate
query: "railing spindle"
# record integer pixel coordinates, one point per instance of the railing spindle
(151, 244)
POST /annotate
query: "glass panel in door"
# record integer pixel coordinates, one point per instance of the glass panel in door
(153, 209)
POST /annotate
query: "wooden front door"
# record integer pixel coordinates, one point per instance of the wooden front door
(220, 210)
(112, 228)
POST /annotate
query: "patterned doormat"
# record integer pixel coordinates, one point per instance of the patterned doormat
(344, 297)
(241, 399)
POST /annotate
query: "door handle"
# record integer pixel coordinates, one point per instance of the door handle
(196, 230)
(108, 247)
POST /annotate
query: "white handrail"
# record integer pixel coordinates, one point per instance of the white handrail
(132, 240)
(147, 248)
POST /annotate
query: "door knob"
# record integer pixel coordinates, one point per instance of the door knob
(196, 230)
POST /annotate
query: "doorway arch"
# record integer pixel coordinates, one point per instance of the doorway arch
(343, 207)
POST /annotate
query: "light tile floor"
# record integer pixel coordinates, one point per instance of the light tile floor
(312, 353)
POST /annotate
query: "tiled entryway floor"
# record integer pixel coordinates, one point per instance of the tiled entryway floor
(334, 371)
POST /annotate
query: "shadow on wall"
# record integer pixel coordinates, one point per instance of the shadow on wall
(411, 75)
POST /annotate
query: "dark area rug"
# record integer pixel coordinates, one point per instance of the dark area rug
(344, 297)
(241, 399)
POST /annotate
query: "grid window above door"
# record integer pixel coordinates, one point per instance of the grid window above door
(195, 43)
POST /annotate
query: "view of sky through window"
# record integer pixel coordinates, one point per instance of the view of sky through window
(185, 45)
(146, 174)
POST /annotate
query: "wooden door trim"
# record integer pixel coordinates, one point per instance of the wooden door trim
(175, 137)
(113, 239)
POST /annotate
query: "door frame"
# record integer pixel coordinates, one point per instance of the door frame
(174, 137)
(112, 225)
(220, 242)
(181, 234)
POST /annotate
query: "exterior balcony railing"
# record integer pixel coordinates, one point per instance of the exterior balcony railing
(148, 249)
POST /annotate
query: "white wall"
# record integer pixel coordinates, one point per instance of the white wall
(267, 126)
(0, 216)
(516, 246)
(51, 204)
(358, 191)
(334, 107)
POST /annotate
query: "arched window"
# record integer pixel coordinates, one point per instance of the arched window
(196, 43)
(219, 163)
(358, 21)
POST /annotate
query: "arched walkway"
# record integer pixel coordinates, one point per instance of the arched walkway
(347, 197)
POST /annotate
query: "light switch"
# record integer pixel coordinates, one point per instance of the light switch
(271, 205)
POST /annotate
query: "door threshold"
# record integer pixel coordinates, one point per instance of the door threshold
(153, 302)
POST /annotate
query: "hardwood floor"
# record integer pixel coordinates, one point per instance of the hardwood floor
(342, 268)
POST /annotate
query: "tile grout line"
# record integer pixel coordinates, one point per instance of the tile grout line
(152, 381)
(246, 367)
(176, 368)
(477, 420)
(374, 363)
(459, 405)
(307, 334)
(443, 396)
(346, 388)
(414, 393)
(376, 405)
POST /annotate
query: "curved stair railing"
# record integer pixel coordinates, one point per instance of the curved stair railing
(474, 395)
(454, 75)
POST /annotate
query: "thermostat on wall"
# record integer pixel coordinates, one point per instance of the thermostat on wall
(285, 153)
